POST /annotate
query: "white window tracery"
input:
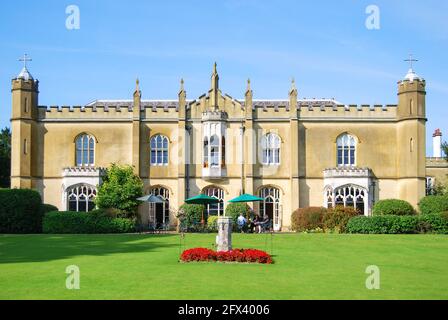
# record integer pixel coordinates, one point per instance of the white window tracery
(218, 208)
(85, 150)
(80, 198)
(159, 150)
(270, 145)
(346, 150)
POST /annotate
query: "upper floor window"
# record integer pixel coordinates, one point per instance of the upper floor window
(270, 145)
(214, 151)
(346, 150)
(85, 150)
(159, 150)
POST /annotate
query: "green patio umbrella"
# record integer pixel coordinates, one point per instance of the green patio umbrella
(152, 200)
(203, 200)
(246, 198)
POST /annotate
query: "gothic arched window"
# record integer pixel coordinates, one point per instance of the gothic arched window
(346, 150)
(85, 150)
(218, 208)
(159, 150)
(80, 198)
(270, 145)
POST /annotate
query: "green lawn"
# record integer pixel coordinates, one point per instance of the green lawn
(146, 267)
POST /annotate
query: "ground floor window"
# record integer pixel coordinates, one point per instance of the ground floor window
(218, 208)
(348, 196)
(81, 198)
(430, 185)
(270, 206)
(160, 213)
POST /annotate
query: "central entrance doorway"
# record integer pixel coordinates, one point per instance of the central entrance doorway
(160, 212)
(270, 206)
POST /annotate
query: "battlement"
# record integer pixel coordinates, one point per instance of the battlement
(83, 171)
(347, 172)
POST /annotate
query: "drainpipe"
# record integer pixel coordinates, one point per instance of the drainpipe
(242, 130)
(187, 164)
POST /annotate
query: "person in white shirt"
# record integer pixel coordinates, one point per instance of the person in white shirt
(241, 222)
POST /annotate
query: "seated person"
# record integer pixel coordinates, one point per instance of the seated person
(265, 224)
(257, 224)
(241, 222)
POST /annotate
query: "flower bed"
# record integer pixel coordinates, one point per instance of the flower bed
(237, 255)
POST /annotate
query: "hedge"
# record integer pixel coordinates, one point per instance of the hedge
(336, 219)
(49, 208)
(21, 211)
(433, 204)
(85, 223)
(393, 207)
(308, 219)
(434, 223)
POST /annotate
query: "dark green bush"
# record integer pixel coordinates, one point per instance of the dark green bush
(336, 219)
(433, 223)
(234, 210)
(49, 208)
(433, 204)
(85, 223)
(393, 207)
(20, 211)
(308, 219)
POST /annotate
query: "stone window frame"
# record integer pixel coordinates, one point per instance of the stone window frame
(162, 150)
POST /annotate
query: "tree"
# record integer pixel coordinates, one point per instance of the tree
(445, 149)
(5, 158)
(120, 190)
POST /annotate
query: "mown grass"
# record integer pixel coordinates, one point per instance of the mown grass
(319, 266)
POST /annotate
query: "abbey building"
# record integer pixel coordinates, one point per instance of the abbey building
(293, 153)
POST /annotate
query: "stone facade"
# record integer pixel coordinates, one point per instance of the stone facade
(293, 152)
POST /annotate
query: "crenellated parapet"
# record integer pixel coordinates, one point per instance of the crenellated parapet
(83, 172)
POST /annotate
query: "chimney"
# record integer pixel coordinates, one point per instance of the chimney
(437, 144)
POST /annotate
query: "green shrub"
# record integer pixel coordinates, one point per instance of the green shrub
(120, 189)
(383, 225)
(433, 204)
(20, 211)
(192, 217)
(393, 207)
(432, 223)
(234, 210)
(212, 223)
(308, 219)
(435, 222)
(85, 223)
(48, 208)
(336, 219)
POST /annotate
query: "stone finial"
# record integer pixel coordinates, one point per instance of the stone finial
(249, 88)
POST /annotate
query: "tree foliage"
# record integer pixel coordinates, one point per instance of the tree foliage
(5, 158)
(120, 190)
(445, 149)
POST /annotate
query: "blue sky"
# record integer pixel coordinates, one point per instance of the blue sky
(324, 45)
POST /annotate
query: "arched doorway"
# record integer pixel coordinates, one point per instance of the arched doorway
(160, 212)
(270, 206)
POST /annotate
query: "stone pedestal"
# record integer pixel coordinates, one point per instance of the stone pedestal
(224, 234)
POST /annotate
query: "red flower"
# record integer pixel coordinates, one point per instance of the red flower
(237, 255)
